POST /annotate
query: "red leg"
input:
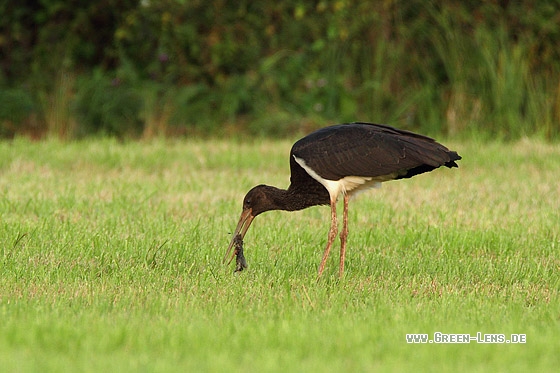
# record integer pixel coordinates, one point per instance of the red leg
(343, 235)
(332, 234)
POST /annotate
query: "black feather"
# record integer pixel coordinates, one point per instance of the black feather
(371, 150)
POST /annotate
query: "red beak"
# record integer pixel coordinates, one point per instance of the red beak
(244, 222)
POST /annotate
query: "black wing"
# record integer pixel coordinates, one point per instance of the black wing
(371, 150)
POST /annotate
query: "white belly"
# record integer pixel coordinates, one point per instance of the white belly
(348, 184)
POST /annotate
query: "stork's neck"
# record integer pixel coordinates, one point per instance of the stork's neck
(298, 198)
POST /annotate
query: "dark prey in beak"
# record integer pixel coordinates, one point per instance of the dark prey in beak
(237, 240)
(240, 261)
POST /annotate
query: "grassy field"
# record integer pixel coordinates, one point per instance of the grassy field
(111, 261)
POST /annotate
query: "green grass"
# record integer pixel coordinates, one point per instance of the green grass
(111, 261)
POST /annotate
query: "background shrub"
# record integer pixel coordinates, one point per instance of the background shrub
(108, 106)
(17, 110)
(155, 68)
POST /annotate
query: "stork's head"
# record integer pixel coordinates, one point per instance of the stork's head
(256, 201)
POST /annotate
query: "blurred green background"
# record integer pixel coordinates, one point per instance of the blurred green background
(143, 69)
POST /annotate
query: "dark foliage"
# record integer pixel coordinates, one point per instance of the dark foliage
(271, 68)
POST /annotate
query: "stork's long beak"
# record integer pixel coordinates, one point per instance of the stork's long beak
(242, 227)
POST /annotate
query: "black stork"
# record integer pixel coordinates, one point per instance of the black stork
(341, 160)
